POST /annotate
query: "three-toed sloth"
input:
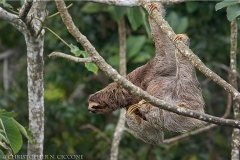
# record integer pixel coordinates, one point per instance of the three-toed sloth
(169, 76)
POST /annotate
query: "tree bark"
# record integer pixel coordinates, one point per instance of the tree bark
(122, 69)
(13, 20)
(35, 93)
(132, 3)
(35, 66)
(233, 81)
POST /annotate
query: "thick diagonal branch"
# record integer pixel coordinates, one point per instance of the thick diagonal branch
(132, 3)
(112, 73)
(163, 24)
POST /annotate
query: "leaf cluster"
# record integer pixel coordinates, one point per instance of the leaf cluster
(233, 9)
(10, 132)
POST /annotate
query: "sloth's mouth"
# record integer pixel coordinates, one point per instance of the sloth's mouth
(97, 108)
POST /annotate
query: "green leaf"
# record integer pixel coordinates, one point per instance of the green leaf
(91, 8)
(192, 6)
(84, 53)
(114, 60)
(3, 138)
(134, 17)
(91, 67)
(238, 22)
(2, 155)
(134, 45)
(178, 24)
(12, 133)
(225, 3)
(5, 4)
(23, 131)
(233, 12)
(119, 12)
(3, 112)
(183, 25)
(2, 127)
(75, 50)
(1, 130)
(173, 20)
(22, 2)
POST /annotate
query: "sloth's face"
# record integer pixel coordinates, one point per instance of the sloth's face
(105, 100)
(96, 106)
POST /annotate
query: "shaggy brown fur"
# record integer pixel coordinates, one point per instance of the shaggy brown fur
(163, 64)
(149, 122)
(162, 79)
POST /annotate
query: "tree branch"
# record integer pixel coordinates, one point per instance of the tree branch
(122, 47)
(23, 15)
(226, 68)
(8, 53)
(122, 69)
(163, 24)
(25, 9)
(233, 81)
(160, 103)
(35, 65)
(69, 57)
(132, 3)
(13, 20)
(112, 73)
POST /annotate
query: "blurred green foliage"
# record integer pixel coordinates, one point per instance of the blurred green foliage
(233, 9)
(68, 84)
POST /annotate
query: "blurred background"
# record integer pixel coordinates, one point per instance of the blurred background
(69, 127)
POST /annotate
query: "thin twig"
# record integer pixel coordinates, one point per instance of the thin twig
(12, 11)
(112, 73)
(57, 36)
(58, 12)
(69, 57)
